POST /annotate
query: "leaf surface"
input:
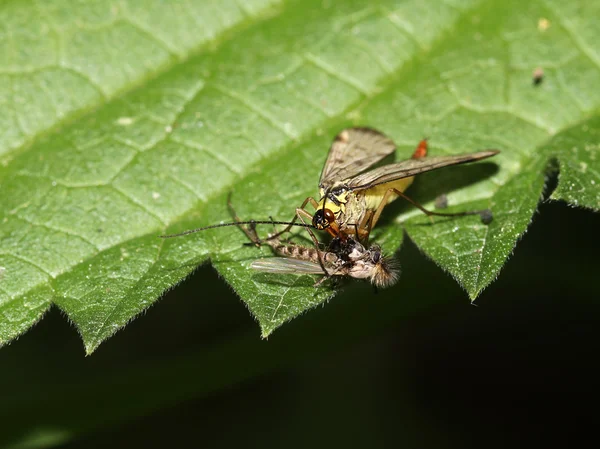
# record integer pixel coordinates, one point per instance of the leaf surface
(189, 113)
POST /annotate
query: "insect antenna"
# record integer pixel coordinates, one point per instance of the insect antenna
(222, 225)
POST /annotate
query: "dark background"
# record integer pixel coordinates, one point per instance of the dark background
(413, 366)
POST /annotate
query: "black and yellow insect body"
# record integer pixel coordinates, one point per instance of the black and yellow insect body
(353, 197)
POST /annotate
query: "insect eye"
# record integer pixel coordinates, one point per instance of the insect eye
(376, 256)
(329, 216)
(320, 220)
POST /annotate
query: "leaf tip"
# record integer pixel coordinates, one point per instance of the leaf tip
(90, 347)
(473, 295)
(265, 331)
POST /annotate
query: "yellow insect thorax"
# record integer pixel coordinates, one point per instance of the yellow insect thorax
(338, 207)
(351, 208)
(374, 195)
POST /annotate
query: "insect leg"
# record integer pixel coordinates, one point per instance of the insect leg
(363, 230)
(250, 231)
(320, 281)
(299, 210)
(485, 214)
(329, 275)
(299, 213)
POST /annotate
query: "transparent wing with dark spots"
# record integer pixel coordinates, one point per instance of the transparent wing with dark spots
(353, 151)
(412, 167)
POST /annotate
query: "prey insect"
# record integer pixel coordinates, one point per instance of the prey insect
(342, 258)
(352, 198)
(346, 257)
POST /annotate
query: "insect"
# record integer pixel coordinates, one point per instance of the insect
(342, 258)
(352, 198)
(345, 257)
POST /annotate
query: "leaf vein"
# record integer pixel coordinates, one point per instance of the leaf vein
(138, 203)
(579, 42)
(292, 134)
(56, 229)
(29, 262)
(346, 79)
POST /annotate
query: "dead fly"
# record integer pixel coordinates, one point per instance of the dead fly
(345, 257)
(342, 258)
(352, 199)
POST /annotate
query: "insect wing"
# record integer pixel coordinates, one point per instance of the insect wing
(412, 167)
(286, 265)
(353, 151)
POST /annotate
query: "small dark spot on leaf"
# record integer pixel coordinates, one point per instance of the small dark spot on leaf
(441, 202)
(538, 76)
(486, 216)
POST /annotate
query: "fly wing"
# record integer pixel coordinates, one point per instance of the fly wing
(412, 167)
(286, 265)
(353, 151)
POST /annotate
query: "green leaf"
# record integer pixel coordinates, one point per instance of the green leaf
(84, 196)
